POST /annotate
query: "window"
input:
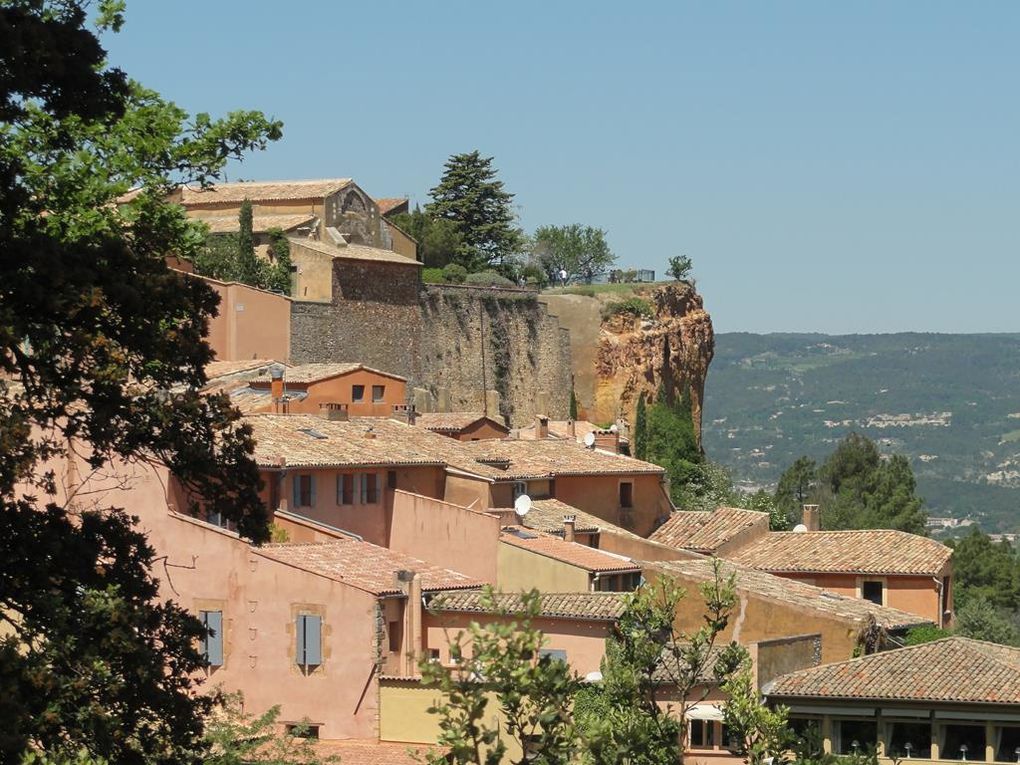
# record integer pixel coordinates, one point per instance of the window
(808, 731)
(212, 643)
(520, 488)
(394, 636)
(702, 734)
(851, 736)
(910, 740)
(872, 590)
(1007, 743)
(309, 640)
(555, 654)
(626, 494)
(345, 489)
(391, 479)
(304, 490)
(378, 393)
(434, 655)
(963, 742)
(630, 582)
(302, 730)
(370, 488)
(357, 393)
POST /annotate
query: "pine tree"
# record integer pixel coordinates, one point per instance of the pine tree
(641, 429)
(470, 196)
(248, 270)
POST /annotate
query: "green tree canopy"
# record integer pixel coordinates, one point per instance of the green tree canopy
(581, 251)
(470, 197)
(438, 239)
(102, 345)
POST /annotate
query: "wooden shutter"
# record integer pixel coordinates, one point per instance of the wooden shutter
(309, 640)
(299, 654)
(212, 645)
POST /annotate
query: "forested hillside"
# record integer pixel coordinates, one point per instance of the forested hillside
(951, 403)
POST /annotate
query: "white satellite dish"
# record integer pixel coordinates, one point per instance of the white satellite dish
(614, 428)
(800, 528)
(522, 505)
(593, 677)
(589, 439)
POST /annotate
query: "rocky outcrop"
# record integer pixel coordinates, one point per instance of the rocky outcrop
(673, 348)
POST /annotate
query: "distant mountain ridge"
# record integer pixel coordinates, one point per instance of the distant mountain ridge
(949, 402)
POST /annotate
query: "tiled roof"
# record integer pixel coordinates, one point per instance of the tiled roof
(309, 373)
(592, 606)
(571, 553)
(353, 252)
(452, 421)
(262, 191)
(373, 752)
(364, 565)
(869, 551)
(546, 459)
(217, 369)
(358, 442)
(546, 515)
(388, 204)
(225, 224)
(954, 670)
(705, 531)
(798, 594)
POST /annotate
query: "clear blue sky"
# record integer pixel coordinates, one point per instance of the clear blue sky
(833, 167)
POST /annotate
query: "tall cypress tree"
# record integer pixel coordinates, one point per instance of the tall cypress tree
(641, 429)
(248, 270)
(470, 196)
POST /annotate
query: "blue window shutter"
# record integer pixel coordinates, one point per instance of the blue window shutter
(295, 481)
(313, 640)
(300, 630)
(311, 480)
(214, 642)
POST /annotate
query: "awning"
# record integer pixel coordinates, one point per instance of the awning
(704, 712)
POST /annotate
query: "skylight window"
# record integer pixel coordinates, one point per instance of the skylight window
(312, 432)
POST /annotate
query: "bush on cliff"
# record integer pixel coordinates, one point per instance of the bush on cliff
(488, 279)
(454, 273)
(639, 308)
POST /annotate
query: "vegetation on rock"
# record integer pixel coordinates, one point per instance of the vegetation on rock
(580, 251)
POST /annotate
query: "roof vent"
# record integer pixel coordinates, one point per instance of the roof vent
(503, 463)
(312, 432)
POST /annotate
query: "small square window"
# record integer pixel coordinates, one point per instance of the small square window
(434, 655)
(872, 590)
(378, 393)
(357, 393)
(702, 734)
(301, 730)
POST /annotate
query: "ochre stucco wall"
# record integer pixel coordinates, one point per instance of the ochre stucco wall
(600, 495)
(914, 594)
(313, 279)
(523, 570)
(465, 491)
(446, 535)
(250, 324)
(339, 390)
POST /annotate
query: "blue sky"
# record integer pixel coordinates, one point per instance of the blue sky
(831, 167)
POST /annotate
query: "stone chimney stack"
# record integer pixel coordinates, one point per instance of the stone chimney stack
(811, 518)
(333, 411)
(607, 440)
(569, 522)
(541, 427)
(276, 385)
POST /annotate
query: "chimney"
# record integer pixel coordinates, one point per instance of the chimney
(811, 518)
(569, 521)
(607, 440)
(276, 382)
(571, 429)
(541, 427)
(333, 411)
(404, 413)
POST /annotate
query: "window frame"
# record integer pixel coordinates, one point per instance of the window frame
(345, 489)
(298, 493)
(213, 646)
(626, 491)
(308, 654)
(879, 580)
(378, 394)
(357, 394)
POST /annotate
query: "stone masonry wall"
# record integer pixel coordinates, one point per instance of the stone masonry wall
(455, 342)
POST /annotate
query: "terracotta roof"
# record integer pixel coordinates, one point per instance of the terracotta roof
(309, 373)
(296, 438)
(373, 752)
(388, 204)
(868, 551)
(262, 191)
(546, 459)
(705, 531)
(571, 553)
(794, 593)
(364, 565)
(218, 369)
(452, 421)
(546, 515)
(353, 252)
(591, 606)
(225, 224)
(953, 670)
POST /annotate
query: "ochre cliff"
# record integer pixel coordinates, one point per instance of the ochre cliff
(616, 359)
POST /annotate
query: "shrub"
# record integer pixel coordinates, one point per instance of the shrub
(633, 306)
(488, 279)
(432, 275)
(585, 291)
(454, 273)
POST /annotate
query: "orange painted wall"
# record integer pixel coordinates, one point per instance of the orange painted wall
(445, 534)
(474, 493)
(339, 390)
(251, 323)
(600, 495)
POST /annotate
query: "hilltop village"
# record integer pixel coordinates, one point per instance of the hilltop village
(403, 472)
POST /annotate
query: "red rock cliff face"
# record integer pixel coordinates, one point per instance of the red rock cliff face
(674, 347)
